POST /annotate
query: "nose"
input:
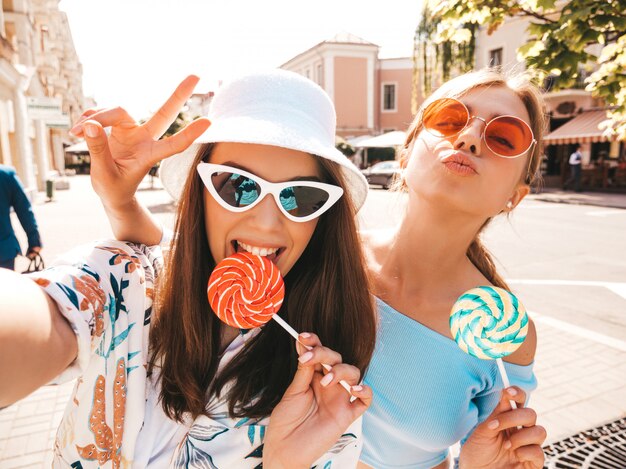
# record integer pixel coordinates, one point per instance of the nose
(266, 216)
(470, 138)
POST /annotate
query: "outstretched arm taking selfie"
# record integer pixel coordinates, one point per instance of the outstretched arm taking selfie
(36, 342)
(121, 160)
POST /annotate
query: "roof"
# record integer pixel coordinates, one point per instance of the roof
(583, 128)
(348, 38)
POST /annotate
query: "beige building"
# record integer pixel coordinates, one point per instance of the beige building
(371, 95)
(40, 88)
(574, 115)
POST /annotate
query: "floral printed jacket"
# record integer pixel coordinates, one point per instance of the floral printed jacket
(105, 291)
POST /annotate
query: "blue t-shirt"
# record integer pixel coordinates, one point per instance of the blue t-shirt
(428, 393)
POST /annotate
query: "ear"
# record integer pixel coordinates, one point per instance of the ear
(518, 195)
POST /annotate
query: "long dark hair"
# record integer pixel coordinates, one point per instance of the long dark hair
(327, 292)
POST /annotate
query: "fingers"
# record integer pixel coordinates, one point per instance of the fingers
(108, 117)
(180, 141)
(512, 393)
(161, 120)
(98, 145)
(524, 417)
(533, 456)
(77, 129)
(533, 436)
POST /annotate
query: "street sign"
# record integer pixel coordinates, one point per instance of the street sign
(42, 107)
(60, 122)
(48, 110)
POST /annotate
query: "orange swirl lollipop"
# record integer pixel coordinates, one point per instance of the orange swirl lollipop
(245, 290)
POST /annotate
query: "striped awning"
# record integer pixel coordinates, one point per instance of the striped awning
(583, 128)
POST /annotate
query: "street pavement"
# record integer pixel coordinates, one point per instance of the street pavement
(581, 358)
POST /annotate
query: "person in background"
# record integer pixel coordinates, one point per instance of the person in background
(575, 167)
(12, 195)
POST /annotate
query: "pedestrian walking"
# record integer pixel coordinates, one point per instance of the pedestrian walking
(12, 196)
(575, 168)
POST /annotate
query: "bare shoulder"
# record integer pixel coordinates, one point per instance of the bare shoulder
(526, 353)
(376, 243)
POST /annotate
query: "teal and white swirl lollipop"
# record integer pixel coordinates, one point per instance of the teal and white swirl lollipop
(489, 323)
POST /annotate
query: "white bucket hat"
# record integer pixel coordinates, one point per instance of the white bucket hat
(278, 108)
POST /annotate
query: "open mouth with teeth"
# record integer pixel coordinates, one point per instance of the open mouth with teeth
(271, 254)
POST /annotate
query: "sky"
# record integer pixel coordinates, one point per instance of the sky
(135, 52)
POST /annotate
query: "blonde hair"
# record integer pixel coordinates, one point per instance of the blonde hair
(460, 86)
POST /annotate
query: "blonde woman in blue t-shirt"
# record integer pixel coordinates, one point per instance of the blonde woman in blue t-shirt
(472, 153)
(428, 394)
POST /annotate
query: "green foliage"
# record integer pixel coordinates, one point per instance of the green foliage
(179, 123)
(567, 38)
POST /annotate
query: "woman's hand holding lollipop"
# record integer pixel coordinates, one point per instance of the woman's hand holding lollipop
(507, 439)
(246, 291)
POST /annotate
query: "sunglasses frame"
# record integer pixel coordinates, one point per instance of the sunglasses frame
(483, 134)
(206, 170)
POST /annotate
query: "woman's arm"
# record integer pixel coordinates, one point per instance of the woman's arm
(121, 160)
(36, 342)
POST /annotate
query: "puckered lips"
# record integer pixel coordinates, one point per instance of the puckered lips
(459, 163)
(272, 253)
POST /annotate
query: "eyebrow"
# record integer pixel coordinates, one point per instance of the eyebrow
(299, 178)
(493, 116)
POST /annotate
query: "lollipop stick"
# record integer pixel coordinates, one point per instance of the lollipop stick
(505, 380)
(294, 334)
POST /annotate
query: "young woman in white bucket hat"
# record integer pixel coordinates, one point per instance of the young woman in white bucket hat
(382, 447)
(161, 381)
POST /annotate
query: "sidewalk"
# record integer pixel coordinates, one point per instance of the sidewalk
(600, 199)
(581, 375)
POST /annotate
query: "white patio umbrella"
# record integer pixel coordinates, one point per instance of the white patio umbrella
(390, 139)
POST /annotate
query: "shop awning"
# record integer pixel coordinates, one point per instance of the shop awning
(583, 128)
(80, 147)
(390, 139)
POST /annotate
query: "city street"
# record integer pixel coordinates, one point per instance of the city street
(566, 262)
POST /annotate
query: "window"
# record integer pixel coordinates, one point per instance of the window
(495, 57)
(389, 97)
(320, 78)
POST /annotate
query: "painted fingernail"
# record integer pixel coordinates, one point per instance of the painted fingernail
(507, 444)
(305, 357)
(91, 130)
(327, 379)
(305, 335)
(512, 391)
(493, 424)
(357, 388)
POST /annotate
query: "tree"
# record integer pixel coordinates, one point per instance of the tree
(563, 37)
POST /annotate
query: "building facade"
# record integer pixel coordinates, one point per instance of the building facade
(40, 88)
(371, 95)
(574, 114)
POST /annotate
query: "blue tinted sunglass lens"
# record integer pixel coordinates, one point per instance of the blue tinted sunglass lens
(236, 190)
(302, 201)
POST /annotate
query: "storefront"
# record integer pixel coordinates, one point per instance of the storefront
(604, 160)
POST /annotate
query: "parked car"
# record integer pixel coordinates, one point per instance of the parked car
(382, 173)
